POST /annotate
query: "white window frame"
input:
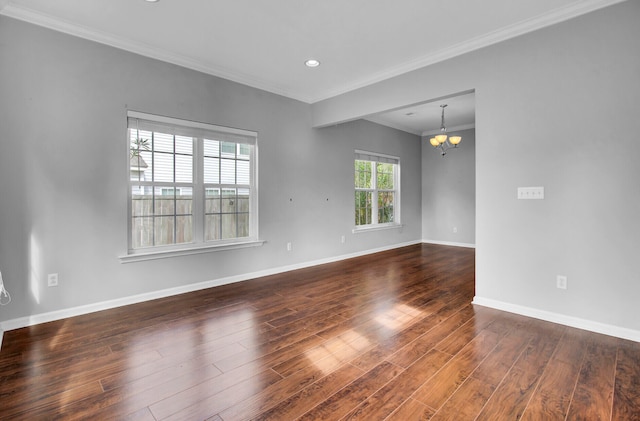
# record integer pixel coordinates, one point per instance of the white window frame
(374, 157)
(198, 131)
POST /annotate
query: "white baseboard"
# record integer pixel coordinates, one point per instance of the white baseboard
(449, 243)
(119, 302)
(597, 327)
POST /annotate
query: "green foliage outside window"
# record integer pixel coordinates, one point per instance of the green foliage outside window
(375, 192)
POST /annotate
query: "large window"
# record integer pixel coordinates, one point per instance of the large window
(191, 184)
(377, 190)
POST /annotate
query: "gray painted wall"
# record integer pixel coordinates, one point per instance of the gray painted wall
(63, 172)
(449, 192)
(556, 108)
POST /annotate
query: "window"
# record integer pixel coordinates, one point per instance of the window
(377, 190)
(191, 184)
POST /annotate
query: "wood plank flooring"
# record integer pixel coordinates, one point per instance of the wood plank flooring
(390, 336)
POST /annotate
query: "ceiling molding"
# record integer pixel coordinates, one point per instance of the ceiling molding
(575, 9)
(31, 16)
(556, 16)
(450, 129)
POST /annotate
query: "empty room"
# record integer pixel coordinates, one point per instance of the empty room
(335, 210)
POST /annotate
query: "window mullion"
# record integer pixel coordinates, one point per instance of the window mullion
(175, 192)
(374, 199)
(153, 190)
(198, 190)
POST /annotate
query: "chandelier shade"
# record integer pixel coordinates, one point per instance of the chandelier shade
(442, 140)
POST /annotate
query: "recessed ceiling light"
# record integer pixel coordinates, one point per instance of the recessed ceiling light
(151, 1)
(410, 113)
(312, 63)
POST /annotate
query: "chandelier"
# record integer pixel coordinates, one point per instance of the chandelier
(443, 141)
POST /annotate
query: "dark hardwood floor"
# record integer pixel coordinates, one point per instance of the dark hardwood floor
(386, 336)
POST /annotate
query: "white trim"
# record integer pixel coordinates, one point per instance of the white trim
(162, 254)
(376, 154)
(563, 319)
(41, 19)
(119, 302)
(190, 123)
(378, 227)
(552, 17)
(450, 243)
(1, 337)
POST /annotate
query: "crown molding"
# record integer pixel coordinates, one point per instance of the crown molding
(34, 17)
(562, 14)
(553, 17)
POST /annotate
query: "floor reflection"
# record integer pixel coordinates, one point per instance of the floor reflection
(329, 355)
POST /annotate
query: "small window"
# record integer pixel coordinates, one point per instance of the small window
(191, 184)
(377, 190)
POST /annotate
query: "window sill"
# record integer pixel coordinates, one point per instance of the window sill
(156, 254)
(369, 228)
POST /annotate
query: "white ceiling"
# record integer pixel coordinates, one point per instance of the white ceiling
(425, 119)
(264, 43)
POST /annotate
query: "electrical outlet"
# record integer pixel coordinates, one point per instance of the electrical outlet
(561, 282)
(52, 279)
(455, 230)
(289, 246)
(342, 239)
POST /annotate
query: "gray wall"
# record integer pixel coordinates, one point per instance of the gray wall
(63, 172)
(449, 192)
(556, 108)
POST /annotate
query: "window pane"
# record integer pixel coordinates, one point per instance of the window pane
(228, 171)
(162, 142)
(228, 149)
(184, 201)
(384, 175)
(162, 167)
(140, 157)
(243, 172)
(163, 227)
(385, 207)
(212, 170)
(141, 232)
(184, 145)
(228, 226)
(139, 168)
(164, 201)
(244, 151)
(363, 174)
(363, 207)
(141, 201)
(243, 200)
(184, 168)
(212, 227)
(140, 138)
(184, 229)
(212, 200)
(229, 201)
(211, 148)
(243, 225)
